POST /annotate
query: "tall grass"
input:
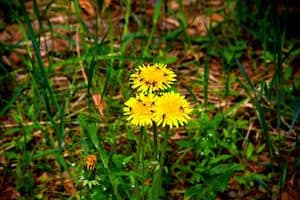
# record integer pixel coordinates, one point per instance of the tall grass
(273, 39)
(137, 163)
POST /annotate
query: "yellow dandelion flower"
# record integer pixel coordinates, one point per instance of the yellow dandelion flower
(140, 109)
(152, 78)
(91, 161)
(172, 109)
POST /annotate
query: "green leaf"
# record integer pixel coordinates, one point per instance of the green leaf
(225, 168)
(220, 158)
(295, 116)
(260, 148)
(92, 132)
(249, 150)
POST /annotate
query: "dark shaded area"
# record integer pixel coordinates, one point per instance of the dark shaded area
(9, 9)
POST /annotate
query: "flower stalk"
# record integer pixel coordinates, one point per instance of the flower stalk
(155, 105)
(155, 146)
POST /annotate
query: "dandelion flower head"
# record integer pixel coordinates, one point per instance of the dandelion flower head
(152, 78)
(139, 109)
(172, 109)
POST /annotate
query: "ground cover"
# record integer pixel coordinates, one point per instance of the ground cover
(215, 118)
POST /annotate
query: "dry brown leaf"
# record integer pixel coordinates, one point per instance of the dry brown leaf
(197, 55)
(14, 58)
(284, 196)
(147, 181)
(197, 26)
(68, 184)
(214, 4)
(216, 17)
(169, 23)
(177, 136)
(88, 8)
(233, 184)
(60, 44)
(9, 193)
(187, 3)
(11, 34)
(173, 5)
(43, 178)
(107, 3)
(99, 103)
(55, 45)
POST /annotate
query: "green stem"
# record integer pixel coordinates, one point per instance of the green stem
(139, 161)
(164, 146)
(157, 187)
(155, 141)
(127, 17)
(139, 153)
(108, 172)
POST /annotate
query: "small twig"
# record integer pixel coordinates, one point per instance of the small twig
(78, 53)
(247, 135)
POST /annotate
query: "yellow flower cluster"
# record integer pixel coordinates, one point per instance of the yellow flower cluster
(152, 103)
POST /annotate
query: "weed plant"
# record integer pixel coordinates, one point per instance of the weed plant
(84, 119)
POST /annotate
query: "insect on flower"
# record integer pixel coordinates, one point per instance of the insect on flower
(181, 108)
(91, 161)
(154, 83)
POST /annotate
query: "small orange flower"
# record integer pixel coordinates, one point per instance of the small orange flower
(91, 161)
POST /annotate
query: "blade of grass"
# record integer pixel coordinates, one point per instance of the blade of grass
(91, 67)
(127, 16)
(109, 69)
(283, 175)
(71, 61)
(206, 63)
(16, 95)
(278, 76)
(99, 4)
(206, 79)
(40, 75)
(260, 110)
(295, 117)
(79, 18)
(125, 40)
(156, 14)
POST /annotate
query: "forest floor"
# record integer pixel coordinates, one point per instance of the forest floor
(65, 68)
